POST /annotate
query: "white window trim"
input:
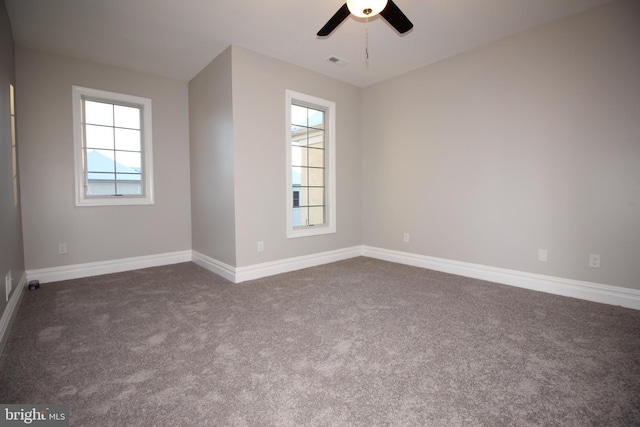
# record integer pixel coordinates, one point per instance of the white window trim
(330, 171)
(81, 199)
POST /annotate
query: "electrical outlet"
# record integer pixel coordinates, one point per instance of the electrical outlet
(8, 283)
(62, 248)
(542, 255)
(260, 246)
(406, 237)
(594, 261)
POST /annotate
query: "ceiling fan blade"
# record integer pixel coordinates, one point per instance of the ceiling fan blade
(394, 16)
(335, 20)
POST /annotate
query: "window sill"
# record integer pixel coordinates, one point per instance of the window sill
(311, 231)
(115, 201)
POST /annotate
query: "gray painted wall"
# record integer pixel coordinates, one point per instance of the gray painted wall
(11, 252)
(259, 84)
(530, 142)
(212, 161)
(44, 82)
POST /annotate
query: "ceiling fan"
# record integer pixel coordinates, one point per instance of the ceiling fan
(368, 9)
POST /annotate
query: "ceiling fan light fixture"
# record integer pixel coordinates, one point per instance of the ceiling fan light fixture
(366, 8)
(389, 11)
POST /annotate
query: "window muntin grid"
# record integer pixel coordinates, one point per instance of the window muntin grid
(311, 159)
(112, 148)
(144, 196)
(308, 161)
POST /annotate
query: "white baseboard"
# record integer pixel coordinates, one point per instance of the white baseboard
(257, 271)
(596, 292)
(76, 271)
(10, 309)
(214, 266)
(266, 269)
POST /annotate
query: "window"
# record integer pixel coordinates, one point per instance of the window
(112, 140)
(311, 203)
(14, 147)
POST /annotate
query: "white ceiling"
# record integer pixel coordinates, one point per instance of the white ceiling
(177, 38)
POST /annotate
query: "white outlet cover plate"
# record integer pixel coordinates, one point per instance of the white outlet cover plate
(542, 255)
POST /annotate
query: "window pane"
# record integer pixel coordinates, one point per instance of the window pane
(100, 161)
(98, 137)
(315, 139)
(12, 101)
(316, 196)
(296, 176)
(98, 113)
(301, 156)
(13, 130)
(299, 217)
(298, 156)
(298, 115)
(128, 161)
(299, 136)
(127, 139)
(304, 178)
(315, 158)
(101, 186)
(127, 117)
(316, 118)
(130, 185)
(316, 177)
(316, 216)
(304, 196)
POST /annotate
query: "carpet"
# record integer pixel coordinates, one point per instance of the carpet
(361, 342)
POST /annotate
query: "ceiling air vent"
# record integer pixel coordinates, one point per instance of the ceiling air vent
(337, 61)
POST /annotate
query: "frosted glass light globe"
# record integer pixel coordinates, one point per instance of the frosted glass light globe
(366, 8)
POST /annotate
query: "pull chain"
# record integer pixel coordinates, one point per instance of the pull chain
(366, 48)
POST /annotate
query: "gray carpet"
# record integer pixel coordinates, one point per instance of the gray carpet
(358, 342)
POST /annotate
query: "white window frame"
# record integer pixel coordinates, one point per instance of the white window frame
(14, 145)
(329, 107)
(82, 199)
